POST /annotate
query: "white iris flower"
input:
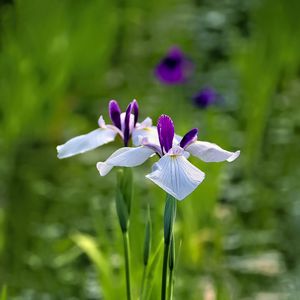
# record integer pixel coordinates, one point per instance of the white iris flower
(173, 172)
(124, 124)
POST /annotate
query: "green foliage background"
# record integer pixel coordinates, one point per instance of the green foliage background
(61, 61)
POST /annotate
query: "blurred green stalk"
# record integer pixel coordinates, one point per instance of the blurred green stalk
(147, 250)
(123, 203)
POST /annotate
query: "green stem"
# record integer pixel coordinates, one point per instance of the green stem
(164, 271)
(170, 286)
(127, 263)
(169, 218)
(171, 268)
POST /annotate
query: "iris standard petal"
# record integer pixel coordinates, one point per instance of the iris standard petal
(149, 133)
(165, 129)
(176, 175)
(125, 157)
(135, 109)
(86, 142)
(127, 124)
(114, 113)
(210, 152)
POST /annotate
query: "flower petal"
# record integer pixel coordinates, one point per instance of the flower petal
(210, 152)
(189, 138)
(150, 133)
(176, 175)
(125, 157)
(114, 113)
(135, 108)
(86, 142)
(127, 123)
(165, 129)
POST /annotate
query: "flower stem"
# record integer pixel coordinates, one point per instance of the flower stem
(171, 268)
(169, 217)
(127, 263)
(164, 272)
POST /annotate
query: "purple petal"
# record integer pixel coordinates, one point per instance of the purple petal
(165, 129)
(127, 124)
(189, 138)
(114, 113)
(135, 108)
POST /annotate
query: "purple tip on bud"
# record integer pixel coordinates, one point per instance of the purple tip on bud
(165, 129)
(205, 97)
(114, 113)
(174, 68)
(189, 138)
(135, 108)
(127, 124)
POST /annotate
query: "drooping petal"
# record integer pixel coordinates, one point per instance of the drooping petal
(127, 124)
(86, 142)
(176, 175)
(135, 108)
(165, 129)
(210, 152)
(114, 113)
(189, 138)
(125, 157)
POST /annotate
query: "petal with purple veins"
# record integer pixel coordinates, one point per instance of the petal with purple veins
(176, 175)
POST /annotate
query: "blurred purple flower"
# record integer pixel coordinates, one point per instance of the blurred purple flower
(174, 68)
(205, 97)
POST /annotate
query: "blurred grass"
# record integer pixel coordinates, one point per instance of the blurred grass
(61, 61)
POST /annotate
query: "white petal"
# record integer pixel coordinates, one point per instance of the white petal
(176, 175)
(140, 133)
(146, 123)
(210, 152)
(86, 142)
(125, 157)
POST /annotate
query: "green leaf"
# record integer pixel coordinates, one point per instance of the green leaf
(151, 270)
(122, 211)
(172, 253)
(89, 246)
(124, 193)
(169, 217)
(148, 237)
(126, 186)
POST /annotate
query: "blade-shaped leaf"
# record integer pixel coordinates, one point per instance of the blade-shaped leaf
(88, 245)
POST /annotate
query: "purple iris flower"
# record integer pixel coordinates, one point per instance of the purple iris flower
(205, 97)
(172, 172)
(174, 68)
(125, 124)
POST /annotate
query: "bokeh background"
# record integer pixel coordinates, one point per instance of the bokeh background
(61, 61)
